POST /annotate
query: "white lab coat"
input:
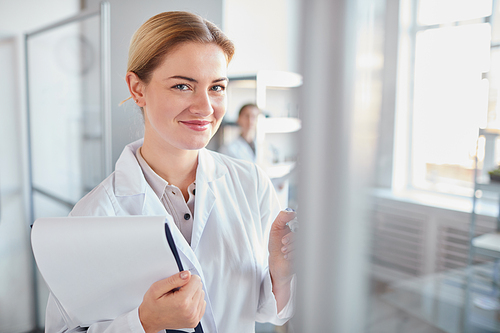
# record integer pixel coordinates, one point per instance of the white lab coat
(240, 149)
(235, 205)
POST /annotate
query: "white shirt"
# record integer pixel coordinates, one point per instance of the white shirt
(171, 197)
(235, 205)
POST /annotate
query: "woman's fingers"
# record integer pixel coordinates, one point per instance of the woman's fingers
(173, 303)
(201, 304)
(288, 242)
(170, 284)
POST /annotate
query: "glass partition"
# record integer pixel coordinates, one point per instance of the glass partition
(16, 293)
(67, 78)
(67, 115)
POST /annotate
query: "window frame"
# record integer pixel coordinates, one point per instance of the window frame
(401, 171)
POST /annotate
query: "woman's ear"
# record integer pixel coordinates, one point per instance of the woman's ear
(136, 88)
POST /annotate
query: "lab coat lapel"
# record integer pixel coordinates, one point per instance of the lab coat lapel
(153, 206)
(204, 202)
(209, 170)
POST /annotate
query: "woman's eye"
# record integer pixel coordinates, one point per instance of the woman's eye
(218, 88)
(181, 86)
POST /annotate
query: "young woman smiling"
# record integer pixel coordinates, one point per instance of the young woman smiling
(223, 213)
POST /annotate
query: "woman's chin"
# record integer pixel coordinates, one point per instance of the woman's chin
(195, 145)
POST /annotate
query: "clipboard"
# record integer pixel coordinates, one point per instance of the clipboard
(100, 267)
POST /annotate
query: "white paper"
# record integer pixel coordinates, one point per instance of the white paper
(100, 267)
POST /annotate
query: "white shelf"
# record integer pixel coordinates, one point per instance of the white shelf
(279, 170)
(279, 125)
(488, 186)
(489, 241)
(270, 78)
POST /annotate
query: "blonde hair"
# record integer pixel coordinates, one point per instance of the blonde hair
(163, 32)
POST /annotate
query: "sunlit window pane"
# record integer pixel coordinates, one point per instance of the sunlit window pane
(445, 11)
(495, 29)
(450, 104)
(494, 90)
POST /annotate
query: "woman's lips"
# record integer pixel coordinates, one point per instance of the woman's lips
(197, 125)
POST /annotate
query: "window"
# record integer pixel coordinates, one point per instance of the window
(448, 85)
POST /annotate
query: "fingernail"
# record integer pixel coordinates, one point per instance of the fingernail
(184, 275)
(285, 256)
(286, 240)
(283, 249)
(288, 209)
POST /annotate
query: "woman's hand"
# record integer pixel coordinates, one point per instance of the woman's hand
(281, 248)
(173, 303)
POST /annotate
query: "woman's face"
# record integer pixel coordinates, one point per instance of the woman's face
(186, 98)
(248, 118)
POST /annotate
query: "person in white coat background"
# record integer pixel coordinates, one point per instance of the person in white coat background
(231, 234)
(244, 146)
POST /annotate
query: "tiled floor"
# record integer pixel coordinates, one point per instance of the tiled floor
(386, 318)
(383, 318)
(264, 328)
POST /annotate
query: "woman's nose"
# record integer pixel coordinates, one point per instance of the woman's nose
(202, 104)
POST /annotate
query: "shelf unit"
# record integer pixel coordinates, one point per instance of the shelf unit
(277, 121)
(488, 244)
(484, 184)
(272, 92)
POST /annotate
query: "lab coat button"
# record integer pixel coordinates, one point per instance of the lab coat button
(187, 216)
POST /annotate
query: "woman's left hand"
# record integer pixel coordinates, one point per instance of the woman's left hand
(281, 251)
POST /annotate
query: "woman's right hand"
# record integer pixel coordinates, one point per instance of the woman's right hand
(173, 303)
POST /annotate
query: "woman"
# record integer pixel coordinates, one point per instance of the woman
(223, 213)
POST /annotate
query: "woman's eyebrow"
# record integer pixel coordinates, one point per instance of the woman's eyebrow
(183, 78)
(220, 79)
(193, 80)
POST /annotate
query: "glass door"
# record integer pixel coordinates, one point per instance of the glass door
(67, 66)
(16, 285)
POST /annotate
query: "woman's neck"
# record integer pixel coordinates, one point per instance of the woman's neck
(176, 166)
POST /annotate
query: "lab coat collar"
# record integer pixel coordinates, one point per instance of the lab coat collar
(129, 179)
(209, 168)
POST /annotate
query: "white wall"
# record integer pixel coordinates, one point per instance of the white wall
(265, 34)
(26, 15)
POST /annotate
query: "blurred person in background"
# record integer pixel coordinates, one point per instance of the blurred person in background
(244, 146)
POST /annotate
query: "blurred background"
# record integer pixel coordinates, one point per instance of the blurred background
(379, 123)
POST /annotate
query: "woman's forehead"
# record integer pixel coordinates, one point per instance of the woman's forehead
(195, 59)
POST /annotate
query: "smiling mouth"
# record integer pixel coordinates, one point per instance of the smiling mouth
(196, 125)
